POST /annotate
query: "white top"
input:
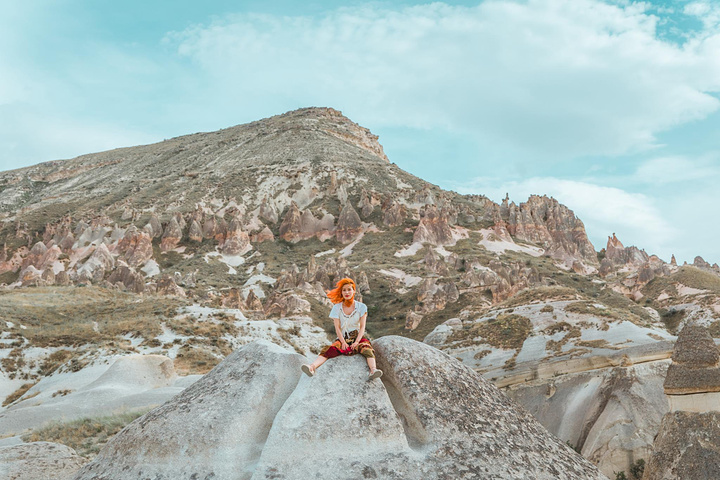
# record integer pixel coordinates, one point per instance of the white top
(351, 322)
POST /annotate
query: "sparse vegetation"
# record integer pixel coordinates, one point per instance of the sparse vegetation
(54, 361)
(86, 436)
(71, 316)
(714, 328)
(672, 318)
(17, 394)
(588, 308)
(636, 471)
(192, 360)
(540, 294)
(505, 331)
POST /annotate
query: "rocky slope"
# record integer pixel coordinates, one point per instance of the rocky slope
(200, 244)
(254, 417)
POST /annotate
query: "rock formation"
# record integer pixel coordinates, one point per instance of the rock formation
(349, 225)
(546, 222)
(254, 417)
(686, 445)
(433, 228)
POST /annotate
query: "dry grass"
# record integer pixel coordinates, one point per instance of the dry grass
(505, 331)
(714, 329)
(672, 319)
(73, 316)
(289, 335)
(540, 294)
(191, 360)
(588, 308)
(17, 394)
(556, 346)
(190, 327)
(54, 361)
(86, 436)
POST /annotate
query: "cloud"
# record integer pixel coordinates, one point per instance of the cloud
(30, 136)
(634, 217)
(678, 169)
(553, 78)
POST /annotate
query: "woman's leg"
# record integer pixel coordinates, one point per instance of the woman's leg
(371, 363)
(318, 361)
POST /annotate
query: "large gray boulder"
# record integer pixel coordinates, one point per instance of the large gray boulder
(253, 417)
(463, 426)
(216, 428)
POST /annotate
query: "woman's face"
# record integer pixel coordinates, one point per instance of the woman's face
(347, 291)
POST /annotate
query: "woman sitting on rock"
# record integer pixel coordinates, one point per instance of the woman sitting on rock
(349, 317)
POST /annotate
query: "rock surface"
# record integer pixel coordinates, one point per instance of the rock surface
(252, 417)
(215, 429)
(696, 363)
(686, 448)
(39, 461)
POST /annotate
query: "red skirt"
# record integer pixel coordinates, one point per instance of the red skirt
(363, 348)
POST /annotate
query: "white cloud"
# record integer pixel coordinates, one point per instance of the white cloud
(29, 136)
(676, 169)
(553, 77)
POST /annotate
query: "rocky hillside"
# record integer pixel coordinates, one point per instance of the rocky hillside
(195, 246)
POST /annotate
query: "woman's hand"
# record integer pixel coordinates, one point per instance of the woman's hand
(344, 345)
(354, 345)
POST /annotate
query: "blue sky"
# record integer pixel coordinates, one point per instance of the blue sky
(612, 107)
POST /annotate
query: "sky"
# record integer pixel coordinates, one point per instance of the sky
(611, 107)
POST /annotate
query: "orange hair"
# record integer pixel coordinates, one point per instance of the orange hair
(335, 295)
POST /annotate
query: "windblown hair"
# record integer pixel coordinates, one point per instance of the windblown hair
(335, 295)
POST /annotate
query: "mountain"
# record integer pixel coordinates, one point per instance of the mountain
(195, 246)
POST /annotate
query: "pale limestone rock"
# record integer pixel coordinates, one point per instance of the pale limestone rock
(35, 255)
(135, 247)
(544, 221)
(237, 241)
(412, 320)
(349, 225)
(216, 428)
(210, 227)
(48, 277)
(286, 304)
(171, 236)
(195, 233)
(127, 277)
(94, 268)
(365, 204)
(394, 214)
(323, 427)
(686, 444)
(166, 286)
(265, 235)
(291, 224)
(62, 278)
(39, 461)
(433, 228)
(252, 302)
(268, 212)
(155, 227)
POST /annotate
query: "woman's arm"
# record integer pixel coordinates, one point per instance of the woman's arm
(361, 332)
(338, 332)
